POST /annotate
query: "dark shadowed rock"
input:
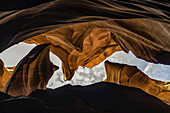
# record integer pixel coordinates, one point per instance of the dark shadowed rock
(101, 97)
(4, 96)
(21, 105)
(1, 67)
(6, 5)
(48, 16)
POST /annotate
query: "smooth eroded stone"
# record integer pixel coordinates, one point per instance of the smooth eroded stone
(88, 31)
(4, 75)
(44, 17)
(88, 44)
(131, 76)
(32, 72)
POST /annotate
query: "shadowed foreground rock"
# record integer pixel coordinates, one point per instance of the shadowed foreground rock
(131, 76)
(32, 72)
(96, 98)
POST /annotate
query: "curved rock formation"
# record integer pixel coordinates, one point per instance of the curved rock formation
(82, 45)
(88, 44)
(4, 75)
(48, 16)
(101, 28)
(131, 76)
(32, 72)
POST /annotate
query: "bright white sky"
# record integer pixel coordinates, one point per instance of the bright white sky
(14, 54)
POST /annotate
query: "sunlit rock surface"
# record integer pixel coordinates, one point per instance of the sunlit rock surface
(79, 45)
(4, 75)
(32, 72)
(85, 76)
(88, 44)
(152, 70)
(131, 76)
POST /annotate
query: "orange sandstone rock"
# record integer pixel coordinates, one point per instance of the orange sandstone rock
(4, 75)
(88, 44)
(131, 76)
(32, 72)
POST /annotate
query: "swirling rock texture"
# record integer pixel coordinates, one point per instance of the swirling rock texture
(102, 97)
(82, 45)
(32, 72)
(45, 17)
(101, 27)
(131, 76)
(118, 26)
(88, 44)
